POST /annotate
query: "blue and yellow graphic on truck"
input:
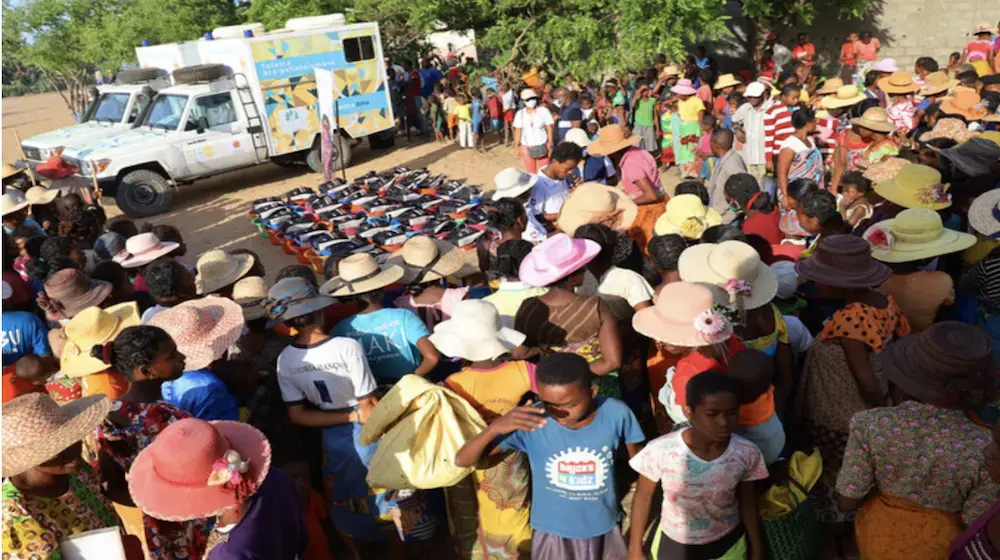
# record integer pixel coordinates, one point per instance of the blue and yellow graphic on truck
(284, 68)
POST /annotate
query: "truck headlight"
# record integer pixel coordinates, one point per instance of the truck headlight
(101, 164)
(57, 151)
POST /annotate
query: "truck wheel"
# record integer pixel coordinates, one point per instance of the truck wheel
(341, 155)
(143, 193)
(139, 75)
(201, 73)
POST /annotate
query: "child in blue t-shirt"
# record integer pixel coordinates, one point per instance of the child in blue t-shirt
(478, 138)
(571, 437)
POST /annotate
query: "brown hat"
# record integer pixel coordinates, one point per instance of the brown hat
(937, 82)
(964, 102)
(830, 86)
(951, 364)
(36, 428)
(424, 259)
(844, 261)
(70, 291)
(611, 139)
(898, 83)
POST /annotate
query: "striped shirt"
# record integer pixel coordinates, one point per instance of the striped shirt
(983, 280)
(752, 121)
(777, 127)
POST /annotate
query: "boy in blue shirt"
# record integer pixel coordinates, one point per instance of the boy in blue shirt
(570, 437)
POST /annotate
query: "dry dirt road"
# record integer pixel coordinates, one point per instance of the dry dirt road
(213, 213)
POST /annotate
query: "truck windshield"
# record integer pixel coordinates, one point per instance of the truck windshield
(166, 112)
(110, 107)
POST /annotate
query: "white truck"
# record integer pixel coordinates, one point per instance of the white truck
(116, 109)
(253, 99)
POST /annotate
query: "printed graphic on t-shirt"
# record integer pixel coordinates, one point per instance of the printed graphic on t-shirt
(580, 473)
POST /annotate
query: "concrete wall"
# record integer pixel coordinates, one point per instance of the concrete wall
(907, 29)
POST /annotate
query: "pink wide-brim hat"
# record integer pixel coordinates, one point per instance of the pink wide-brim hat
(555, 258)
(203, 329)
(143, 249)
(684, 87)
(888, 65)
(169, 479)
(683, 315)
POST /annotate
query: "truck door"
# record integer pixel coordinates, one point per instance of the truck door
(223, 142)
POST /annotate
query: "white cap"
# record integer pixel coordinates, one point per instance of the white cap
(527, 94)
(754, 89)
(577, 136)
(788, 279)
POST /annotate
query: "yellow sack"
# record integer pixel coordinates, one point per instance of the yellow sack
(420, 427)
(781, 499)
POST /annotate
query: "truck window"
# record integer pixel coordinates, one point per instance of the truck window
(359, 48)
(111, 107)
(167, 111)
(140, 103)
(218, 109)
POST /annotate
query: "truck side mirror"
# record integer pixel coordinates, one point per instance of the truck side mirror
(202, 125)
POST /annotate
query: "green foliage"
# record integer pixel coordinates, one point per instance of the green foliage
(778, 15)
(274, 13)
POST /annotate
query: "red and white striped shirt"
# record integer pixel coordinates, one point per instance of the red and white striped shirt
(777, 127)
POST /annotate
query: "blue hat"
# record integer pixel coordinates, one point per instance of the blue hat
(110, 246)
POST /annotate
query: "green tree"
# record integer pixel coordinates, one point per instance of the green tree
(274, 13)
(776, 16)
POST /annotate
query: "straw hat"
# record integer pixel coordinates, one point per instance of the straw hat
(936, 83)
(845, 96)
(686, 215)
(94, 327)
(670, 70)
(983, 28)
(951, 364)
(915, 234)
(512, 183)
(886, 169)
(10, 170)
(735, 267)
(594, 203)
(611, 139)
(41, 195)
(555, 258)
(984, 214)
(145, 248)
(832, 86)
(250, 293)
(727, 80)
(72, 291)
(684, 315)
(898, 83)
(424, 259)
(954, 129)
(218, 269)
(36, 429)
(844, 261)
(196, 469)
(203, 329)
(875, 119)
(293, 297)
(360, 274)
(916, 186)
(684, 87)
(964, 102)
(577, 136)
(886, 65)
(12, 201)
(974, 157)
(474, 333)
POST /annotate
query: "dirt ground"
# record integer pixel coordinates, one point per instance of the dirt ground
(213, 213)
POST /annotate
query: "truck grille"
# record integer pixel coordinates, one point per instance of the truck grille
(33, 154)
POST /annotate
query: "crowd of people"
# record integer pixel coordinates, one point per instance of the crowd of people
(794, 355)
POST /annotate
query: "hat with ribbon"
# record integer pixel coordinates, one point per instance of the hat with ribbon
(686, 215)
(293, 297)
(360, 274)
(196, 469)
(250, 293)
(739, 279)
(684, 314)
(916, 186)
(145, 248)
(424, 259)
(915, 234)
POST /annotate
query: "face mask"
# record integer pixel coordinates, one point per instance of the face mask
(532, 103)
(735, 208)
(558, 103)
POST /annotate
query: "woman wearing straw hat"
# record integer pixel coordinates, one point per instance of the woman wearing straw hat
(900, 87)
(148, 357)
(221, 471)
(686, 215)
(875, 128)
(908, 243)
(219, 270)
(396, 341)
(562, 321)
(426, 263)
(95, 327)
(917, 487)
(494, 384)
(49, 494)
(203, 330)
(838, 378)
(638, 175)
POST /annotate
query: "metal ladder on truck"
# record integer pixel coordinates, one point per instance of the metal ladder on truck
(255, 124)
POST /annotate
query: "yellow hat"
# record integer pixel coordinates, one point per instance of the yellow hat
(916, 186)
(687, 216)
(915, 234)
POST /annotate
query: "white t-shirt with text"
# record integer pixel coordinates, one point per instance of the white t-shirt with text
(331, 375)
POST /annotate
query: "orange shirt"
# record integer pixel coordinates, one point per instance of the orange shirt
(110, 383)
(847, 54)
(13, 386)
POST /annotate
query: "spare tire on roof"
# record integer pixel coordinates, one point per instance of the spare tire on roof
(139, 75)
(201, 73)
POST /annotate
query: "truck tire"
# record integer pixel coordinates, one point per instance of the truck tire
(139, 75)
(314, 159)
(143, 193)
(201, 73)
